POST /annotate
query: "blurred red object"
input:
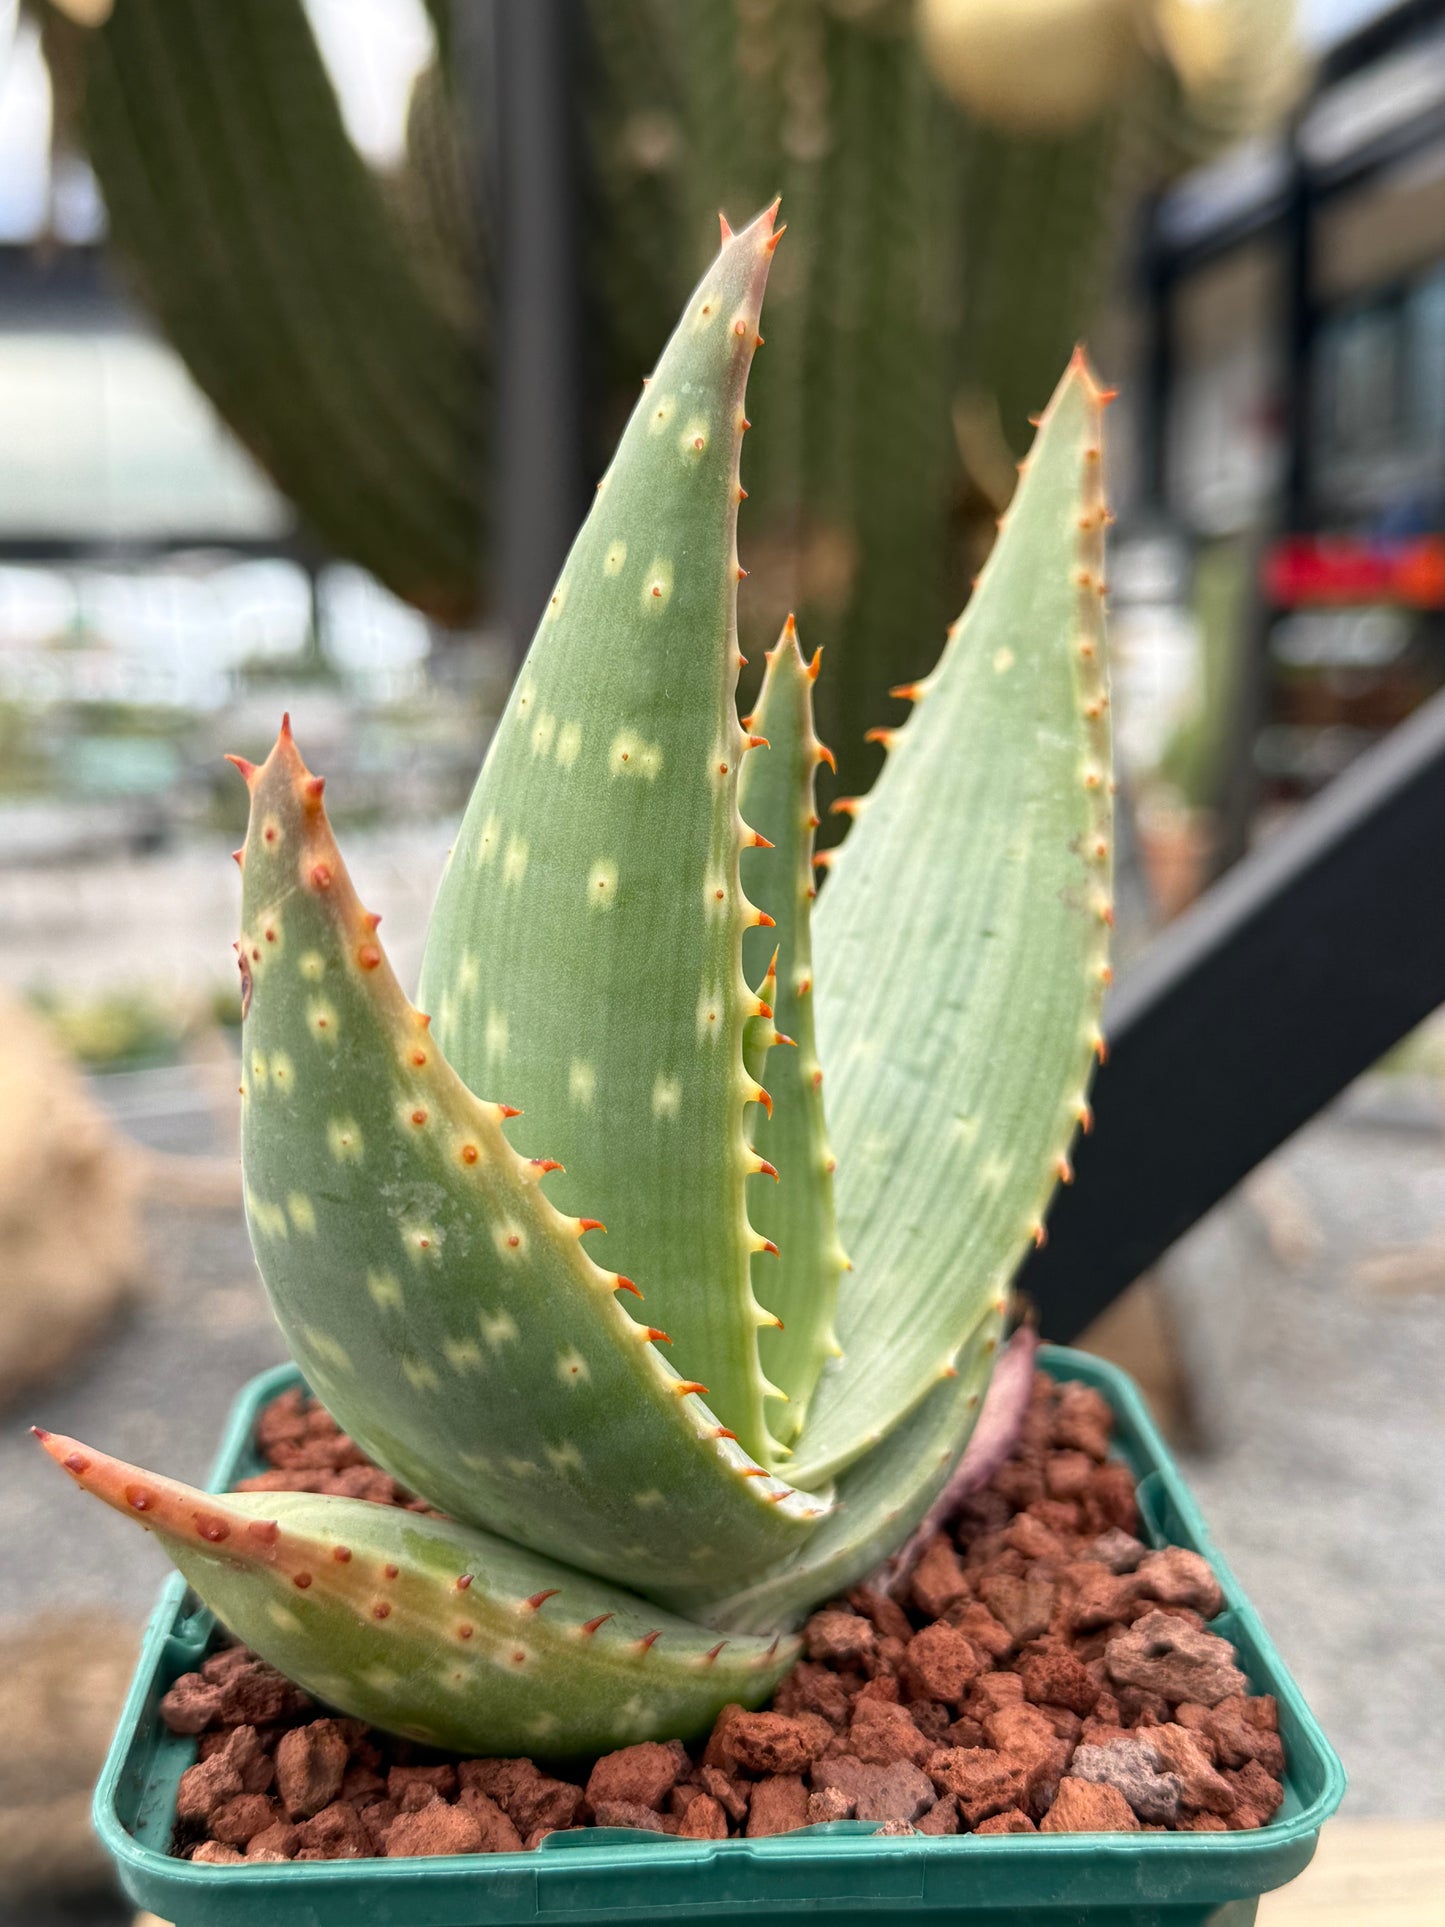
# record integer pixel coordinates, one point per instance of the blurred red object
(1343, 569)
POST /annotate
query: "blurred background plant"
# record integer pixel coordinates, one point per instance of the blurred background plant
(958, 176)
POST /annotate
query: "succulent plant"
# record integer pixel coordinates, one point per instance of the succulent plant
(644, 1475)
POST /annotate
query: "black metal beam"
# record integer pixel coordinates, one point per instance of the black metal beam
(155, 551)
(1157, 280)
(1296, 972)
(1301, 325)
(524, 63)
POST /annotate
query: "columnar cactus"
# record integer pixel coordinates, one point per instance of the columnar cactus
(649, 1472)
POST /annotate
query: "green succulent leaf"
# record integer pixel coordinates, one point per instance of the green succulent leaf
(600, 852)
(448, 1635)
(881, 1498)
(448, 1314)
(962, 945)
(796, 1212)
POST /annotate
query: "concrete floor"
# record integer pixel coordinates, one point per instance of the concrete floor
(1311, 1314)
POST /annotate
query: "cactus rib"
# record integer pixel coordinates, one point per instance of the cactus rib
(450, 1316)
(433, 1629)
(220, 125)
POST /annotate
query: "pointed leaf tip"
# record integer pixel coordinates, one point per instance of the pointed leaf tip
(725, 229)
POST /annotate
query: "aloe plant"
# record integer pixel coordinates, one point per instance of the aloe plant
(648, 1464)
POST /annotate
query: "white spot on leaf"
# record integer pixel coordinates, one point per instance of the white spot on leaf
(657, 586)
(422, 1242)
(514, 864)
(321, 1020)
(384, 1290)
(602, 885)
(994, 1172)
(500, 1330)
(343, 1138)
(419, 1375)
(511, 1241)
(462, 1354)
(328, 1349)
(302, 1213)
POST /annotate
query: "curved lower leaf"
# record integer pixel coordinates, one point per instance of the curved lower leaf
(431, 1629)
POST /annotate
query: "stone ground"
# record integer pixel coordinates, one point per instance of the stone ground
(1311, 1316)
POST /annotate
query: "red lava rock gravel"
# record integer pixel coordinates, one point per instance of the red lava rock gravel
(1043, 1671)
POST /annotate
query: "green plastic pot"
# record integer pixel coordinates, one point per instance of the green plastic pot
(835, 1874)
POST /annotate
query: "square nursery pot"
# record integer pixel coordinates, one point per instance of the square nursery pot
(834, 1874)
